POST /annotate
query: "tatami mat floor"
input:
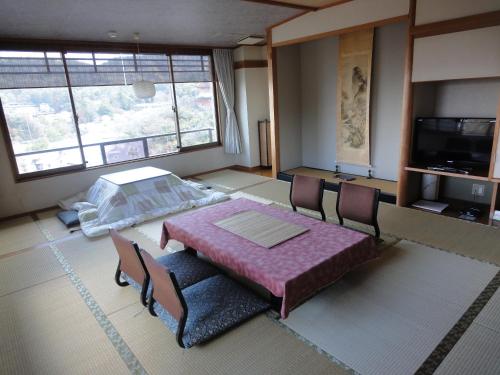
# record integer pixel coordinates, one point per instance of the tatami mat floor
(61, 312)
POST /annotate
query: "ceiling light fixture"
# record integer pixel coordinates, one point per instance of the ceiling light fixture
(113, 34)
(251, 40)
(143, 89)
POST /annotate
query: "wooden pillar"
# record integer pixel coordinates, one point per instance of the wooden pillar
(407, 113)
(273, 103)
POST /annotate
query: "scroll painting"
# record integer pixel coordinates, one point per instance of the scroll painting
(353, 97)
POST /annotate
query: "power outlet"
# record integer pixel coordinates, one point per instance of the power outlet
(478, 190)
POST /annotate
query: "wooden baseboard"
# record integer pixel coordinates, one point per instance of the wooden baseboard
(242, 168)
(33, 214)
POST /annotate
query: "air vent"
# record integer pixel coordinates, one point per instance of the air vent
(251, 40)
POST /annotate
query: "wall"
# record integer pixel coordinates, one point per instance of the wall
(467, 98)
(318, 107)
(251, 102)
(348, 14)
(439, 10)
(318, 71)
(42, 193)
(466, 54)
(289, 104)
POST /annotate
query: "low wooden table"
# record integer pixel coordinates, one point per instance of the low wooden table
(293, 270)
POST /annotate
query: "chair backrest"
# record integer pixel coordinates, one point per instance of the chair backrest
(130, 258)
(358, 203)
(307, 192)
(166, 291)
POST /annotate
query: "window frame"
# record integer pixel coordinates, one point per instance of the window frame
(90, 47)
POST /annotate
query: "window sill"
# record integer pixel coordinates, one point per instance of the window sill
(21, 179)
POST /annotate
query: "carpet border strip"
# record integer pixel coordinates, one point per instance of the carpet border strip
(126, 354)
(435, 359)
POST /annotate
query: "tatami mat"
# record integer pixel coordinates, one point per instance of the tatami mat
(48, 329)
(49, 221)
(478, 350)
(152, 230)
(387, 317)
(95, 261)
(259, 346)
(469, 239)
(28, 268)
(18, 234)
(232, 180)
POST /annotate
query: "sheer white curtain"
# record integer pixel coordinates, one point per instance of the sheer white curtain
(223, 61)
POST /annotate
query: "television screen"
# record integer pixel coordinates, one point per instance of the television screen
(453, 142)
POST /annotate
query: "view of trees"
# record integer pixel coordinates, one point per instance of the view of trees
(41, 119)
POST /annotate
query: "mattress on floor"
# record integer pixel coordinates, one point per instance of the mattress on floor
(113, 204)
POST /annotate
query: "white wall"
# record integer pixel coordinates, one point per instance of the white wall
(466, 54)
(429, 11)
(251, 102)
(289, 99)
(318, 107)
(467, 98)
(22, 197)
(318, 72)
(351, 13)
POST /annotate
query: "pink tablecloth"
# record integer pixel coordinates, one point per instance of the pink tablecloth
(293, 270)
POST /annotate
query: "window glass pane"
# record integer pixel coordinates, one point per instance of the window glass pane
(124, 151)
(162, 145)
(42, 161)
(37, 109)
(110, 113)
(196, 110)
(93, 156)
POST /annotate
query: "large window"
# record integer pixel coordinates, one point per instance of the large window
(78, 110)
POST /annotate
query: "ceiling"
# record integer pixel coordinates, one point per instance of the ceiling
(310, 3)
(178, 22)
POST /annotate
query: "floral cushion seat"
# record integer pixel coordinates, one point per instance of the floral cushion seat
(188, 268)
(214, 306)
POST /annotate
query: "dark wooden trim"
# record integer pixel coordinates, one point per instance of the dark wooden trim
(476, 21)
(346, 30)
(8, 142)
(334, 4)
(209, 171)
(245, 64)
(283, 4)
(76, 123)
(407, 114)
(243, 168)
(77, 45)
(29, 213)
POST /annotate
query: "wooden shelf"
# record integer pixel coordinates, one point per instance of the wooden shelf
(456, 206)
(449, 174)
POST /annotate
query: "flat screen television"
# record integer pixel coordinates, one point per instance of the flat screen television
(462, 143)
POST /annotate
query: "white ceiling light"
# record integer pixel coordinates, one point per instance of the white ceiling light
(143, 89)
(112, 34)
(251, 40)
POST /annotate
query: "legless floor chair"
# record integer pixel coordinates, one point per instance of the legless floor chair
(307, 192)
(201, 311)
(358, 203)
(131, 269)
